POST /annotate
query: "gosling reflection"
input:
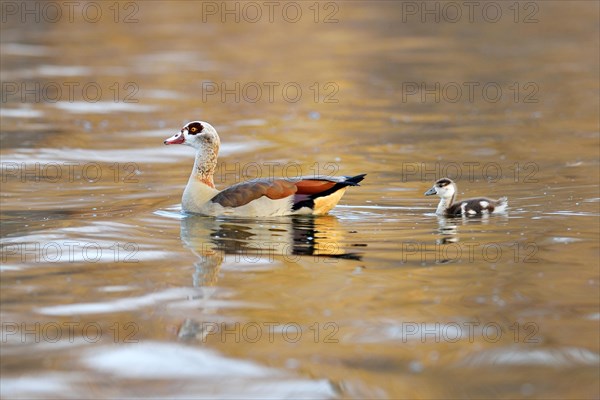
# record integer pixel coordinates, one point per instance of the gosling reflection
(448, 230)
(251, 244)
(448, 227)
(448, 247)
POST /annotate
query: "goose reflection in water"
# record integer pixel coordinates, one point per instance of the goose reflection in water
(258, 242)
(253, 245)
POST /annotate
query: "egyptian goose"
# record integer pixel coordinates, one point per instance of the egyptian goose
(256, 198)
(446, 189)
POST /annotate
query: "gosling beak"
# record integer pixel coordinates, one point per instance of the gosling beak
(430, 191)
(177, 138)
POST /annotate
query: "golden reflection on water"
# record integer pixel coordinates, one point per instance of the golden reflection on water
(246, 242)
(380, 299)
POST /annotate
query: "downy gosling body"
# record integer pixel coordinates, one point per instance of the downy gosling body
(446, 189)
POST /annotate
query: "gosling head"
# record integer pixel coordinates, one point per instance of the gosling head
(445, 188)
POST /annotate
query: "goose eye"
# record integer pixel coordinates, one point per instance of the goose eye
(193, 129)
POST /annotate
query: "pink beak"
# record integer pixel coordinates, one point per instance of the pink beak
(177, 138)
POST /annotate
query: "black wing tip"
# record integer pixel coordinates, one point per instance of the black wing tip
(354, 180)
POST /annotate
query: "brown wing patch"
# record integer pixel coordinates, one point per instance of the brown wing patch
(280, 189)
(244, 193)
(313, 187)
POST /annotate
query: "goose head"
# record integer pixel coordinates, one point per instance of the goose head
(197, 134)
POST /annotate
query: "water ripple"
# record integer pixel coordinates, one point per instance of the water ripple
(558, 357)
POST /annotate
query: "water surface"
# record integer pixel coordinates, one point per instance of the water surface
(109, 291)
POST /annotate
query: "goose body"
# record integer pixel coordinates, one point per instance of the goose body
(256, 198)
(446, 189)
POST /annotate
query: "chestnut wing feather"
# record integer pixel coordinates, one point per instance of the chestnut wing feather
(313, 186)
(305, 188)
(243, 193)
